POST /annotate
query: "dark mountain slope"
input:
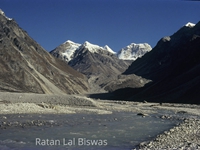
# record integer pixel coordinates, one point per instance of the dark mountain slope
(98, 62)
(27, 67)
(100, 67)
(173, 66)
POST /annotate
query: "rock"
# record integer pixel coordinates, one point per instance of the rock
(142, 114)
(163, 117)
(182, 112)
(167, 133)
(51, 121)
(4, 117)
(171, 130)
(43, 105)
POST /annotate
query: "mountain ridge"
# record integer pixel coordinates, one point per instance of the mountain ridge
(66, 50)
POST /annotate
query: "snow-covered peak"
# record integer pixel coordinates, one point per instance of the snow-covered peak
(106, 47)
(91, 47)
(69, 49)
(189, 24)
(134, 51)
(69, 41)
(95, 48)
(3, 14)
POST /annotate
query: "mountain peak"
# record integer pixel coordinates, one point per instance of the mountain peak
(88, 44)
(106, 47)
(91, 47)
(69, 41)
(94, 48)
(133, 51)
(189, 24)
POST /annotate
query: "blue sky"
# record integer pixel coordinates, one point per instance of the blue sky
(115, 23)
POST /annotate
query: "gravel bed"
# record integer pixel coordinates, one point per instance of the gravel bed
(184, 136)
(62, 99)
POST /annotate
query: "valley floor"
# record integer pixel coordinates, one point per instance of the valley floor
(185, 135)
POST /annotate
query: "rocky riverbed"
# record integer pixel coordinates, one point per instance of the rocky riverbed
(184, 136)
(16, 109)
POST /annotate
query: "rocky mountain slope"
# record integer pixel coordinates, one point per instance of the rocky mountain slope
(27, 67)
(173, 65)
(92, 59)
(101, 64)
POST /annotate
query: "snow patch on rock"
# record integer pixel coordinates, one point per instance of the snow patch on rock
(189, 24)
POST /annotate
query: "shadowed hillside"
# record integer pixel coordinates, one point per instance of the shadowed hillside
(173, 65)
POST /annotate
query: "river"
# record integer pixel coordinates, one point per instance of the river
(119, 130)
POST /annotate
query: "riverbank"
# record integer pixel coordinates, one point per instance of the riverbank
(184, 136)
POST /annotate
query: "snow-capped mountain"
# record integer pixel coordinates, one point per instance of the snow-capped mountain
(70, 47)
(133, 51)
(66, 50)
(106, 47)
(93, 48)
(96, 48)
(99, 64)
(88, 56)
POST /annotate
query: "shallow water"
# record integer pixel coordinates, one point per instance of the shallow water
(120, 130)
